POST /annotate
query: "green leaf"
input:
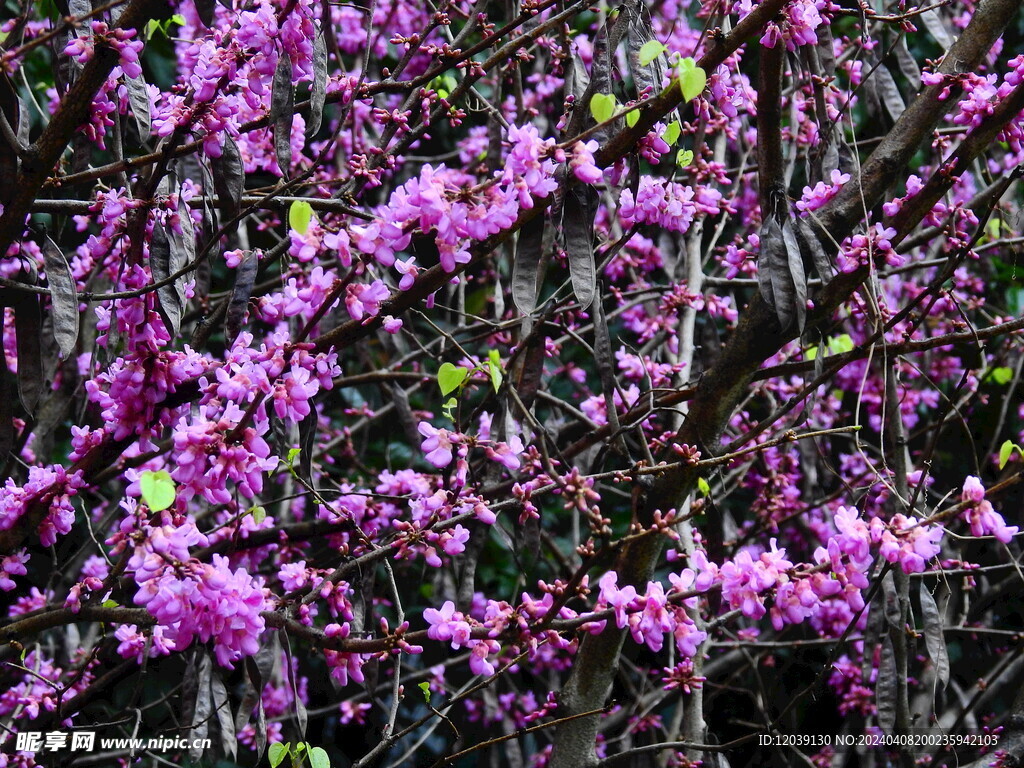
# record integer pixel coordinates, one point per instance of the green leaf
(692, 78)
(443, 83)
(318, 758)
(841, 344)
(449, 407)
(293, 454)
(684, 157)
(450, 377)
(836, 345)
(157, 490)
(632, 117)
(649, 51)
(278, 751)
(1006, 451)
(602, 106)
(494, 366)
(425, 687)
(1000, 375)
(300, 214)
(671, 134)
(178, 19)
(259, 514)
(110, 604)
(301, 747)
(703, 486)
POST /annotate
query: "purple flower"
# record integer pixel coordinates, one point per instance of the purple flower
(343, 665)
(447, 624)
(438, 444)
(81, 49)
(582, 162)
(408, 270)
(906, 541)
(12, 565)
(981, 515)
(621, 600)
(365, 300)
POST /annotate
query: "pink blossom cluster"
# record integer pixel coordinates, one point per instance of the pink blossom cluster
(363, 301)
(432, 203)
(983, 93)
(667, 203)
(301, 296)
(237, 404)
(12, 565)
(650, 615)
(529, 172)
(636, 368)
(801, 19)
(744, 580)
(417, 532)
(140, 645)
(829, 594)
(82, 48)
(814, 198)
(652, 146)
(344, 666)
(981, 515)
(438, 444)
(204, 460)
(777, 489)
(91, 584)
(582, 162)
(157, 545)
(854, 688)
(449, 625)
(906, 541)
(451, 541)
(52, 487)
(680, 297)
(34, 694)
(875, 247)
(205, 600)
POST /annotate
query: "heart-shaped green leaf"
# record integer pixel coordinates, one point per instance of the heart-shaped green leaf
(157, 489)
(450, 377)
(649, 51)
(671, 134)
(692, 78)
(278, 751)
(602, 106)
(632, 117)
(318, 758)
(1001, 375)
(841, 344)
(300, 214)
(684, 157)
